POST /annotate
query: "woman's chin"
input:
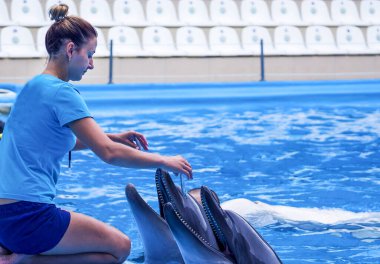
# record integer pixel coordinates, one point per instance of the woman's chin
(76, 78)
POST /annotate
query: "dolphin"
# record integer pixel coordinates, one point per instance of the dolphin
(159, 244)
(235, 235)
(238, 242)
(187, 231)
(153, 227)
(185, 205)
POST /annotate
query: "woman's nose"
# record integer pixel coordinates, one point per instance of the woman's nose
(91, 64)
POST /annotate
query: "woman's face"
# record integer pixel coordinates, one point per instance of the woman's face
(82, 60)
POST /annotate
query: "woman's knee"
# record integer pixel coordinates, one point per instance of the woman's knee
(124, 248)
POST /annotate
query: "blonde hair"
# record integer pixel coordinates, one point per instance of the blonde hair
(66, 27)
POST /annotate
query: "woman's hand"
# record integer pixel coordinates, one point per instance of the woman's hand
(178, 164)
(130, 138)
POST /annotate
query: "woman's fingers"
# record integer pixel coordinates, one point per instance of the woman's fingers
(143, 142)
(141, 139)
(186, 168)
(188, 171)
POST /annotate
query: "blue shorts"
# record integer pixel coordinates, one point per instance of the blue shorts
(32, 228)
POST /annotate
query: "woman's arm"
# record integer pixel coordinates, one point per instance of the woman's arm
(91, 135)
(127, 138)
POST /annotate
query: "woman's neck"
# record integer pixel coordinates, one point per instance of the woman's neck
(57, 69)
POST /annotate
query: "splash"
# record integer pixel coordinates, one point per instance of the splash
(261, 214)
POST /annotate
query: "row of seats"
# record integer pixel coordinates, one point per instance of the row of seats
(17, 41)
(198, 13)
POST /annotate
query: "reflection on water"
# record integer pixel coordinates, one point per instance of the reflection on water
(310, 159)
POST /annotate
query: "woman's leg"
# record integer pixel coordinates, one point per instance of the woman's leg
(86, 240)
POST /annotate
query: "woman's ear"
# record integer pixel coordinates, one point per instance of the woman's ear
(70, 49)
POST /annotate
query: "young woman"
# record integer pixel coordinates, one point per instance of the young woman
(32, 228)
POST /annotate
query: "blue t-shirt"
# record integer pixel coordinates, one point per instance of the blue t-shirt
(36, 138)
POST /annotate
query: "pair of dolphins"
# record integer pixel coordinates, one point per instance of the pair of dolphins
(192, 230)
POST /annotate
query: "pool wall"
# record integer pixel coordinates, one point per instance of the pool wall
(190, 93)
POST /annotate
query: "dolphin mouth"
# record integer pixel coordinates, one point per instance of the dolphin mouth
(168, 192)
(169, 208)
(163, 193)
(171, 199)
(212, 210)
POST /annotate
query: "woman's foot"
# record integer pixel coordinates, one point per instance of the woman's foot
(4, 251)
(11, 259)
(7, 257)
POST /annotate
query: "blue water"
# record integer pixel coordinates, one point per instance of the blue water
(308, 145)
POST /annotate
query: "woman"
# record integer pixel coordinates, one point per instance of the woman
(32, 228)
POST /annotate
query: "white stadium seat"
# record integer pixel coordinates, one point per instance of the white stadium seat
(285, 12)
(102, 47)
(193, 42)
(2, 54)
(370, 12)
(17, 42)
(4, 15)
(225, 41)
(316, 12)
(129, 13)
(159, 42)
(250, 39)
(256, 12)
(351, 40)
(161, 13)
(41, 34)
(225, 12)
(194, 13)
(97, 12)
(289, 41)
(73, 11)
(27, 13)
(320, 40)
(373, 39)
(344, 12)
(125, 42)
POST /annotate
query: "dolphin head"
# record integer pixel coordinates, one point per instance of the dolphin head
(152, 228)
(236, 237)
(184, 205)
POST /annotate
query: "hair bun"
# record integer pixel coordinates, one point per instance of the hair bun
(58, 12)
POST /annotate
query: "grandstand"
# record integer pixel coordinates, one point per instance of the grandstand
(204, 40)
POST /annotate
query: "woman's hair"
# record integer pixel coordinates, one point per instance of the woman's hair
(65, 28)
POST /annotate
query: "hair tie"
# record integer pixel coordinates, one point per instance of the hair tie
(60, 18)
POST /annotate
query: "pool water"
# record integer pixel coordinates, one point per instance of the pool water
(313, 148)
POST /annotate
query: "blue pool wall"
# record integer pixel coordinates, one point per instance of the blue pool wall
(214, 93)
